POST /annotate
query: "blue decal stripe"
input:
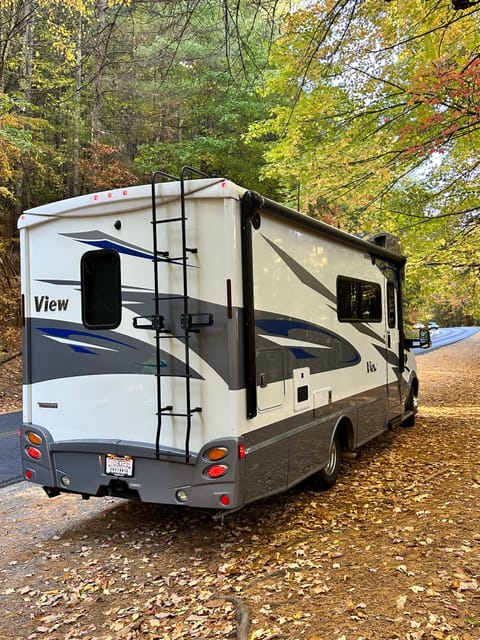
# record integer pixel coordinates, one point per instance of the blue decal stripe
(66, 334)
(108, 244)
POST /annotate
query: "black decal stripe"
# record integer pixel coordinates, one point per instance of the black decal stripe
(302, 274)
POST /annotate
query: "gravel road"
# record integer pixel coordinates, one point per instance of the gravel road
(391, 552)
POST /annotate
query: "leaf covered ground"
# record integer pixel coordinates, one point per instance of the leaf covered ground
(392, 552)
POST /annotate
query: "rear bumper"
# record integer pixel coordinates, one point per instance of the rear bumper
(79, 466)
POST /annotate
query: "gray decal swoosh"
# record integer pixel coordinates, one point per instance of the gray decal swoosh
(302, 274)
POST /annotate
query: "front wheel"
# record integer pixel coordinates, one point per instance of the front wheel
(411, 407)
(327, 477)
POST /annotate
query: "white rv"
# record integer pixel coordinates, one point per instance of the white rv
(191, 342)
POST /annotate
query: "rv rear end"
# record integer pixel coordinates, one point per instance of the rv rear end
(194, 343)
(91, 423)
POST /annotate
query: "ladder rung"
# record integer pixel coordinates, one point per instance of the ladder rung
(165, 220)
(178, 260)
(184, 415)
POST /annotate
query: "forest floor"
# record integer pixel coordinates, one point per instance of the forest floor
(391, 552)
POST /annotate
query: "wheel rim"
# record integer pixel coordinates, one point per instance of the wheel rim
(332, 461)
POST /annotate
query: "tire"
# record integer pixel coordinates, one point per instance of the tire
(327, 477)
(411, 405)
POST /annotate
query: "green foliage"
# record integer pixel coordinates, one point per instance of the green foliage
(377, 114)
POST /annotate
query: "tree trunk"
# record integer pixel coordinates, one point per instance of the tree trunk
(102, 50)
(77, 110)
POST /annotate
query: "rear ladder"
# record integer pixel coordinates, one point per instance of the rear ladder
(189, 322)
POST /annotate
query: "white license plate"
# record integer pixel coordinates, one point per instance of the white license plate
(119, 466)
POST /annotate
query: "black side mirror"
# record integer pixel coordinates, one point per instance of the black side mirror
(424, 338)
(423, 341)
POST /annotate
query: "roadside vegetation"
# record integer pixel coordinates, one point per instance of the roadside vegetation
(366, 115)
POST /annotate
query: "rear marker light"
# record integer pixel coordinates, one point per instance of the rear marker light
(33, 453)
(225, 500)
(217, 471)
(241, 451)
(28, 474)
(34, 438)
(217, 453)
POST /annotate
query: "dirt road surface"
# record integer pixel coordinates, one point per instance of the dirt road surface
(392, 552)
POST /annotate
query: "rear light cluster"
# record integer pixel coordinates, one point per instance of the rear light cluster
(33, 442)
(215, 454)
(33, 449)
(218, 469)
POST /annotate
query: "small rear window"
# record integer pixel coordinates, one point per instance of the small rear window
(101, 289)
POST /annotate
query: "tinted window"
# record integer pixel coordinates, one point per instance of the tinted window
(101, 289)
(358, 300)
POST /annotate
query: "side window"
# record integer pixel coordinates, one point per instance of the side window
(358, 300)
(392, 319)
(101, 289)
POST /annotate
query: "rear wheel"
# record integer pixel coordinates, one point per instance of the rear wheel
(327, 477)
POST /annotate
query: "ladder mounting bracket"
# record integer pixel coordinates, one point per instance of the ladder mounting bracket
(194, 321)
(153, 322)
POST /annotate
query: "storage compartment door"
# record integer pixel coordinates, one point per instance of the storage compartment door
(270, 379)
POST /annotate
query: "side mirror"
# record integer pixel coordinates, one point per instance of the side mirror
(423, 341)
(424, 338)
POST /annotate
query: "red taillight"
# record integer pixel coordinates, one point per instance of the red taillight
(225, 500)
(33, 453)
(28, 474)
(241, 451)
(217, 470)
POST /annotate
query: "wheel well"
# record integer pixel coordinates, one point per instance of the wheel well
(414, 386)
(345, 432)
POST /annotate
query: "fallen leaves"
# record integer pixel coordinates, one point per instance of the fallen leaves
(392, 552)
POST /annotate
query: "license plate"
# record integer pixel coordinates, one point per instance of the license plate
(119, 466)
